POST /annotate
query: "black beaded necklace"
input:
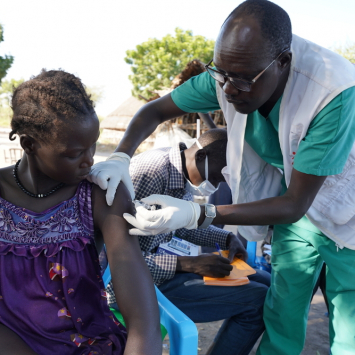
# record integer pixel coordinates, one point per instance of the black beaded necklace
(18, 182)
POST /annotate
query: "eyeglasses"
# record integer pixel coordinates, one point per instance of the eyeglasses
(238, 83)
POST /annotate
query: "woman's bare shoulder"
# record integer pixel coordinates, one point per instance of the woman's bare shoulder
(121, 204)
(6, 171)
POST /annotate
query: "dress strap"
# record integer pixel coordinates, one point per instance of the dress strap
(85, 208)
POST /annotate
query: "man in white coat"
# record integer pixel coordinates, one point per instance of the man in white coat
(289, 106)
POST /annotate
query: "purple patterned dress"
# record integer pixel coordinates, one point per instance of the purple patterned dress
(51, 291)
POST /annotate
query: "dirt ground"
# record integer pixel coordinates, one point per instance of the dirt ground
(317, 341)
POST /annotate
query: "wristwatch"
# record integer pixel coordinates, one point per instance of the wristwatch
(210, 213)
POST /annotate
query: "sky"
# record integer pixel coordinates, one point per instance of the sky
(89, 38)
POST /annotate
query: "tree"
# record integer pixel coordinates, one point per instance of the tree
(347, 51)
(96, 93)
(6, 61)
(156, 62)
(6, 90)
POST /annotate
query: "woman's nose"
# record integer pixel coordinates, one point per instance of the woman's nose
(88, 160)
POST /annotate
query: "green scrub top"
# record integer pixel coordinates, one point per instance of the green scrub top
(323, 151)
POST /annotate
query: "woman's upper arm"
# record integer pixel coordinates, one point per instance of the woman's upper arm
(133, 284)
(109, 219)
(11, 343)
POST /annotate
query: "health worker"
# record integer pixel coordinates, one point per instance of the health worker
(289, 105)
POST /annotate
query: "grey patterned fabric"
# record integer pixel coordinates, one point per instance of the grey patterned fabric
(159, 171)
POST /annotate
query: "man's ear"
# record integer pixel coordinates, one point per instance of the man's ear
(200, 155)
(28, 144)
(285, 60)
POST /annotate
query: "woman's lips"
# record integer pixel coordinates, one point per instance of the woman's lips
(84, 175)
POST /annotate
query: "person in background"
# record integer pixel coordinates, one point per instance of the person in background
(183, 173)
(52, 297)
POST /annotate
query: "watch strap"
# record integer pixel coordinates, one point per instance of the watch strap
(210, 214)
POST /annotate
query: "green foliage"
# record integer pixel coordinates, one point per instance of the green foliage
(156, 62)
(6, 90)
(347, 51)
(5, 116)
(6, 61)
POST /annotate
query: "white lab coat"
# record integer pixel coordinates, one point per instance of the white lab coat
(316, 77)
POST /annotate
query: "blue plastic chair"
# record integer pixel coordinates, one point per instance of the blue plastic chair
(182, 331)
(257, 262)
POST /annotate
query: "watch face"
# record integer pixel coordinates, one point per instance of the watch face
(210, 211)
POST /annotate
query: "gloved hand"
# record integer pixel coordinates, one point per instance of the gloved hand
(174, 214)
(109, 173)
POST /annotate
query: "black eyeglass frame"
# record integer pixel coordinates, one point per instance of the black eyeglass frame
(234, 80)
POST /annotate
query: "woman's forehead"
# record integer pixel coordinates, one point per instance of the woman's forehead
(80, 133)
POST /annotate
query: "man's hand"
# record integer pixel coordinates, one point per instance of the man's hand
(205, 265)
(236, 248)
(174, 214)
(109, 173)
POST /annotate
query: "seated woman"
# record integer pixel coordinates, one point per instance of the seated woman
(52, 297)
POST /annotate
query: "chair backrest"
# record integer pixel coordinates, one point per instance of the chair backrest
(251, 249)
(257, 262)
(183, 335)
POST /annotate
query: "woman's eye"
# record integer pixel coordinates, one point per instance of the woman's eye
(73, 156)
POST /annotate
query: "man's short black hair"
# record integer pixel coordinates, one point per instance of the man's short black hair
(214, 142)
(274, 22)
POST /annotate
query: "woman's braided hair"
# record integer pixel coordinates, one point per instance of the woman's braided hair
(50, 96)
